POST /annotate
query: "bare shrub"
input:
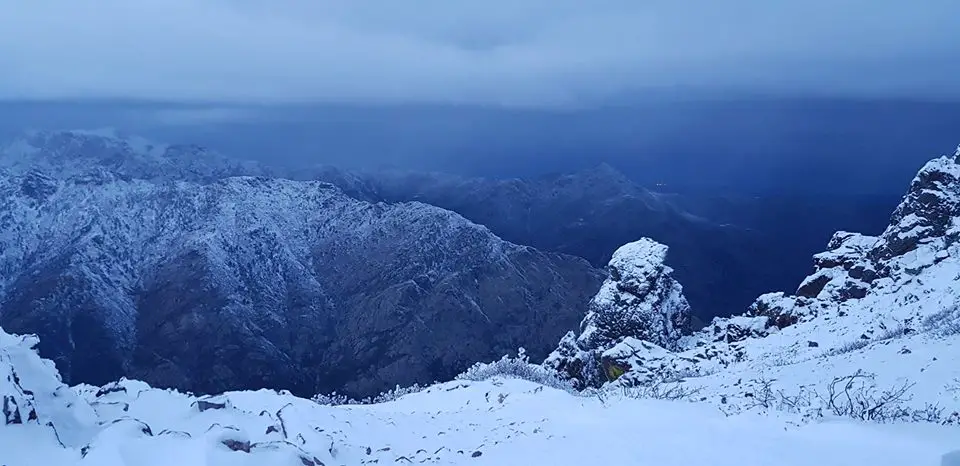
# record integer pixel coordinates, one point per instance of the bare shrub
(761, 394)
(891, 333)
(517, 368)
(660, 389)
(335, 399)
(944, 323)
(853, 396)
(850, 346)
(856, 396)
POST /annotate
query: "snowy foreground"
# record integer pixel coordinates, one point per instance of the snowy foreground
(494, 422)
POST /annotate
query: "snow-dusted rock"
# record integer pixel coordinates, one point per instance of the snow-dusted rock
(640, 301)
(32, 393)
(633, 362)
(926, 213)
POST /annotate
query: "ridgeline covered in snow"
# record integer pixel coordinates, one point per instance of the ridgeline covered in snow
(860, 366)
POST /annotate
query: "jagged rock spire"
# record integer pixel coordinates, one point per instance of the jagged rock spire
(639, 301)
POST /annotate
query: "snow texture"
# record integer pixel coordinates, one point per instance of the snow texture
(494, 422)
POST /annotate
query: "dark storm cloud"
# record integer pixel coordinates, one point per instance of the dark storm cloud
(519, 52)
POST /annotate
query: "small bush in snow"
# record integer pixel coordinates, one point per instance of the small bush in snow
(856, 396)
(945, 323)
(853, 396)
(397, 392)
(761, 394)
(671, 391)
(850, 346)
(891, 333)
(335, 399)
(657, 390)
(954, 387)
(518, 368)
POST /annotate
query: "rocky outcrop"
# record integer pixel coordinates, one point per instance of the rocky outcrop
(211, 284)
(925, 222)
(920, 233)
(31, 392)
(639, 302)
(852, 276)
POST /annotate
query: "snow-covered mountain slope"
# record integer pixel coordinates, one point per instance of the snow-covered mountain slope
(880, 313)
(127, 262)
(495, 422)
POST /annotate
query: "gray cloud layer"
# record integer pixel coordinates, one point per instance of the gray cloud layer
(485, 51)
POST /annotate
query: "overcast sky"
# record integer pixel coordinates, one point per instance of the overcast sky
(536, 52)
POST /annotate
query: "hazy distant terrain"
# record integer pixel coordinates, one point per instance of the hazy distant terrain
(748, 145)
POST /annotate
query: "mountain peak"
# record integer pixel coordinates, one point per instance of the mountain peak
(604, 171)
(924, 219)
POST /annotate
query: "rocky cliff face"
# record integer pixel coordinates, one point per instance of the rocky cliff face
(640, 301)
(865, 292)
(188, 278)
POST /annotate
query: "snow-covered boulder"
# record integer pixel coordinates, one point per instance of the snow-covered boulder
(32, 393)
(634, 362)
(738, 328)
(639, 302)
(843, 271)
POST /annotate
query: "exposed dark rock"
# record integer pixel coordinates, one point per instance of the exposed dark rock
(926, 212)
(38, 186)
(812, 287)
(206, 405)
(780, 310)
(237, 445)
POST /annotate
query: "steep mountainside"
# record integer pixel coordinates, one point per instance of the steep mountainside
(722, 265)
(150, 263)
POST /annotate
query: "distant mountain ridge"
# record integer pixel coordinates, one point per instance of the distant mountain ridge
(163, 264)
(589, 214)
(726, 249)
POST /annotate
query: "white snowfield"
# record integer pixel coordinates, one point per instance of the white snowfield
(495, 422)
